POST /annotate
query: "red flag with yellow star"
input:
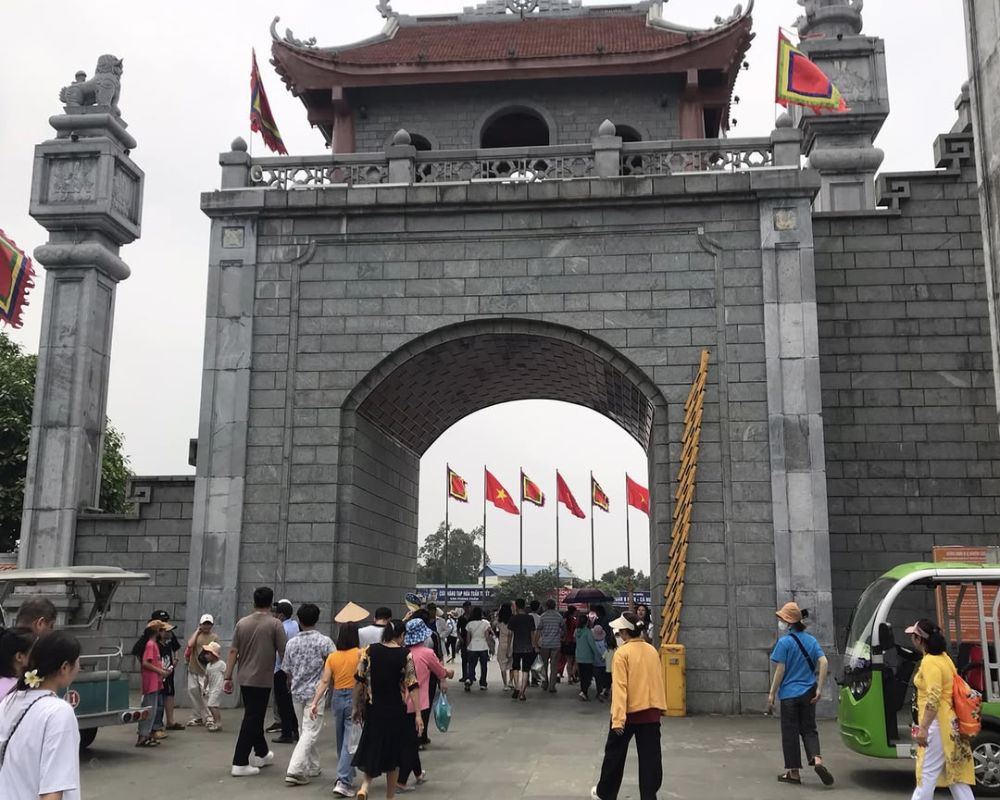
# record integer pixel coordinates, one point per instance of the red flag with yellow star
(499, 496)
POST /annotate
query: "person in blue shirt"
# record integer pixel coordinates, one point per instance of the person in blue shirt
(797, 657)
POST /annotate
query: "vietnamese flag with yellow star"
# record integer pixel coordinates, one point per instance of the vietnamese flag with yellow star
(499, 496)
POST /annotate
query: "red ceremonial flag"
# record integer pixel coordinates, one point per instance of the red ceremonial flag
(499, 496)
(802, 83)
(457, 488)
(597, 496)
(261, 118)
(565, 496)
(530, 491)
(637, 496)
(16, 275)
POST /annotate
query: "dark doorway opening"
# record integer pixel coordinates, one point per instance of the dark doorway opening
(515, 129)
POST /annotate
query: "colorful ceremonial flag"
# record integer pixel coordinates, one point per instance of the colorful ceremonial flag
(636, 495)
(457, 487)
(261, 118)
(499, 496)
(802, 83)
(597, 496)
(565, 496)
(530, 492)
(16, 274)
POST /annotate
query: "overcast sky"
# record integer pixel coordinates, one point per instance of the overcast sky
(185, 97)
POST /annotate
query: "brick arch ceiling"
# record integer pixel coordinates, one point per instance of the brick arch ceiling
(433, 390)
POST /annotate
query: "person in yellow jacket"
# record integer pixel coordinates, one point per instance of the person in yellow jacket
(637, 703)
(944, 757)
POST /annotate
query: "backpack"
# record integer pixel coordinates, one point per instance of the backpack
(968, 707)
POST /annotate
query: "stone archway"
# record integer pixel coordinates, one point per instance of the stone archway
(407, 401)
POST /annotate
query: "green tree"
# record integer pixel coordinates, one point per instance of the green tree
(17, 394)
(624, 578)
(540, 586)
(465, 556)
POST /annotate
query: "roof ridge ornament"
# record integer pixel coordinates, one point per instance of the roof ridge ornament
(385, 9)
(491, 8)
(737, 13)
(305, 44)
(522, 7)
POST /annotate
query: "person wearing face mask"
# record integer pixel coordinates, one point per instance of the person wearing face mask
(797, 657)
(637, 703)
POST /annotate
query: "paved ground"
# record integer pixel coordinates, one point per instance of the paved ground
(547, 748)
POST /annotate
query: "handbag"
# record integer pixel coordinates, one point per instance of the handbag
(967, 703)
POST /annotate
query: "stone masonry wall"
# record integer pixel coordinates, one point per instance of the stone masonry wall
(157, 541)
(913, 457)
(657, 273)
(450, 116)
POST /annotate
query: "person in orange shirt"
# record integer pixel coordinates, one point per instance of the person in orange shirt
(637, 702)
(340, 669)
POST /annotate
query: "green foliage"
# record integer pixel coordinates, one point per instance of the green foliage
(465, 557)
(17, 394)
(623, 579)
(540, 586)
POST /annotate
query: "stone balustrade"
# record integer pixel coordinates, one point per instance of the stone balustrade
(605, 156)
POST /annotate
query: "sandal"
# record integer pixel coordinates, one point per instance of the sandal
(824, 774)
(786, 777)
(147, 742)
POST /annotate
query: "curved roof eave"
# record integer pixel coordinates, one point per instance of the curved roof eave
(318, 69)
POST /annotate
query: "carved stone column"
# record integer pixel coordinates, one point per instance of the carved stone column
(87, 193)
(841, 146)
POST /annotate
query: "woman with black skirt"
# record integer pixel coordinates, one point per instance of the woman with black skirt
(385, 674)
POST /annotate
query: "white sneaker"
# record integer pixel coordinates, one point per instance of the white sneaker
(343, 790)
(243, 772)
(593, 793)
(262, 761)
(296, 780)
(195, 721)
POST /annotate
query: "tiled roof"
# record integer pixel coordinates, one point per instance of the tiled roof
(521, 39)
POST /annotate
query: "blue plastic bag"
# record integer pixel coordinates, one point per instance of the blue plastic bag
(442, 712)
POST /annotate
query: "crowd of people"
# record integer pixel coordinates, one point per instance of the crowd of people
(382, 680)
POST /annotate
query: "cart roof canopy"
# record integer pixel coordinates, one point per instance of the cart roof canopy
(63, 574)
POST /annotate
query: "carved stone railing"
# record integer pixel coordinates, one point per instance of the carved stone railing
(506, 164)
(605, 156)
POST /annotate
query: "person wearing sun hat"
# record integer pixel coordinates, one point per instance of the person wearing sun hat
(426, 663)
(637, 703)
(797, 657)
(215, 671)
(942, 760)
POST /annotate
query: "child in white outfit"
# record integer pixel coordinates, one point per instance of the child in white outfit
(215, 671)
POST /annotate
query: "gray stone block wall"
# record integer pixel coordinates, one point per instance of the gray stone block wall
(651, 273)
(913, 457)
(450, 117)
(156, 540)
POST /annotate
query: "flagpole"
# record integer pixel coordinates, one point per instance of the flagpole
(484, 527)
(557, 536)
(520, 510)
(593, 572)
(447, 526)
(628, 550)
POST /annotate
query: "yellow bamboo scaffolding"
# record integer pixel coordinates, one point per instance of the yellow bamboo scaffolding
(683, 503)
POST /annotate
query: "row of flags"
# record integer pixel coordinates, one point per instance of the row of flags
(636, 495)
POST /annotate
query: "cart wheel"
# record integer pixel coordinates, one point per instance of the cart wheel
(87, 736)
(986, 756)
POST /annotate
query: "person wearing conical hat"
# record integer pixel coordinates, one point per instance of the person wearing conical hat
(797, 657)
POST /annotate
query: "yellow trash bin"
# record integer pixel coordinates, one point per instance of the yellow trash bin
(673, 659)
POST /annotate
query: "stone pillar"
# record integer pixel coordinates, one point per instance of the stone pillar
(841, 146)
(220, 474)
(982, 25)
(401, 154)
(87, 193)
(795, 412)
(607, 151)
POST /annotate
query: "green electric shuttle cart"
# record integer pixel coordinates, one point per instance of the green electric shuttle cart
(873, 712)
(100, 693)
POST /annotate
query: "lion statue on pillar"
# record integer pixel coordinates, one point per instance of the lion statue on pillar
(101, 90)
